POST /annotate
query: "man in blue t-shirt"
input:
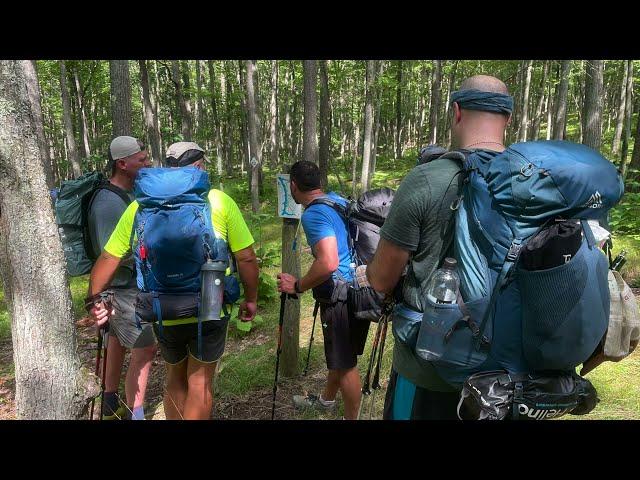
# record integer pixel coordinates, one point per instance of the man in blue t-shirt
(329, 277)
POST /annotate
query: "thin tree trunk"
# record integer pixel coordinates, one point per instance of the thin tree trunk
(628, 115)
(256, 161)
(524, 121)
(181, 101)
(434, 107)
(354, 165)
(83, 116)
(227, 89)
(376, 130)
(549, 109)
(537, 120)
(399, 110)
(635, 156)
(200, 117)
(291, 320)
(220, 153)
(560, 124)
(310, 145)
(273, 110)
(325, 123)
(368, 124)
(120, 97)
(452, 79)
(621, 111)
(149, 120)
(50, 382)
(68, 124)
(154, 97)
(593, 104)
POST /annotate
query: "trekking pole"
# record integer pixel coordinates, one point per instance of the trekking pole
(315, 314)
(104, 367)
(283, 299)
(374, 348)
(376, 376)
(97, 371)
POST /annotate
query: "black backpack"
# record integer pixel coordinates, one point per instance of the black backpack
(363, 217)
(72, 214)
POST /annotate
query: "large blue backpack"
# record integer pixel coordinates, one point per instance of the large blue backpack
(175, 237)
(510, 318)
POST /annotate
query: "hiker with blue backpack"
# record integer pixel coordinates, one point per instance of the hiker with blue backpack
(521, 228)
(105, 206)
(184, 237)
(329, 277)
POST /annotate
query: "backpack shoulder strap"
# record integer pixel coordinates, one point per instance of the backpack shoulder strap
(325, 200)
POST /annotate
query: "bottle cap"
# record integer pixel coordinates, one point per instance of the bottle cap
(450, 263)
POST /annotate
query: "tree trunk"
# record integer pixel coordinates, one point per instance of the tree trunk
(291, 321)
(524, 119)
(273, 110)
(434, 108)
(628, 115)
(83, 115)
(310, 145)
(354, 165)
(325, 123)
(149, 119)
(617, 136)
(200, 118)
(183, 106)
(560, 124)
(549, 108)
(592, 116)
(537, 120)
(398, 110)
(227, 89)
(376, 130)
(120, 97)
(50, 382)
(255, 156)
(368, 124)
(72, 151)
(452, 80)
(154, 97)
(220, 153)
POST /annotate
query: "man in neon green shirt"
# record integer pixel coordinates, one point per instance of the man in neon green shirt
(187, 376)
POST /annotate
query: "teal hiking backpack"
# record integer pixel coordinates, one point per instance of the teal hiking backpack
(506, 317)
(72, 210)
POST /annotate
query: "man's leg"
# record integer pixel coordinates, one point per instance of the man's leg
(138, 375)
(115, 359)
(199, 400)
(351, 390)
(175, 394)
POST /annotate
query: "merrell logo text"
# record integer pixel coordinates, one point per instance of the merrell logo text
(540, 414)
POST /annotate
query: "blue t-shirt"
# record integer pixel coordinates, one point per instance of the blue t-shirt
(321, 221)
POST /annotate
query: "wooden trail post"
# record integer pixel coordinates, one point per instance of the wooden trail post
(290, 213)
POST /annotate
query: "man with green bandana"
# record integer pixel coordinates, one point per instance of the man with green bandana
(188, 393)
(419, 231)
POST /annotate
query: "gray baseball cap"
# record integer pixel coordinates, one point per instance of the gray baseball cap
(124, 146)
(181, 154)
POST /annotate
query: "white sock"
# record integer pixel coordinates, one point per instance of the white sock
(326, 403)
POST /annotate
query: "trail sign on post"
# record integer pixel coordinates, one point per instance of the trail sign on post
(287, 207)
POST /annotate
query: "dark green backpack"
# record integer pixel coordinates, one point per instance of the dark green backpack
(72, 209)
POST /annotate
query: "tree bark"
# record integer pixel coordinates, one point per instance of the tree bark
(635, 156)
(220, 153)
(183, 106)
(376, 131)
(325, 123)
(200, 117)
(617, 136)
(84, 131)
(255, 162)
(368, 123)
(524, 119)
(560, 124)
(72, 151)
(273, 110)
(398, 110)
(537, 120)
(154, 97)
(628, 115)
(50, 382)
(291, 322)
(434, 108)
(354, 165)
(149, 115)
(593, 104)
(310, 146)
(120, 97)
(227, 89)
(452, 80)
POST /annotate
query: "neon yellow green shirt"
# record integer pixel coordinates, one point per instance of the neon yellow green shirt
(225, 215)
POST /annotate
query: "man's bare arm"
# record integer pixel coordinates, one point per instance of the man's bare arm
(102, 273)
(326, 262)
(387, 266)
(248, 270)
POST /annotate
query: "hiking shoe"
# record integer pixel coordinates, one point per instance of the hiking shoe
(119, 414)
(312, 401)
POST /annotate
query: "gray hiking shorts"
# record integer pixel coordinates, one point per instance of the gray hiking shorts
(123, 323)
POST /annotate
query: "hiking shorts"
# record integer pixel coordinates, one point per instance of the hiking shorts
(344, 335)
(123, 324)
(407, 401)
(178, 341)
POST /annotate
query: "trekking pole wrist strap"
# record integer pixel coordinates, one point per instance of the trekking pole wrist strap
(102, 297)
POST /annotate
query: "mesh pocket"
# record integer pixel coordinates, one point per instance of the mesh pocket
(563, 311)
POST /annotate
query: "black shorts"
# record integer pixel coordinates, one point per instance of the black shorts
(344, 336)
(178, 341)
(405, 401)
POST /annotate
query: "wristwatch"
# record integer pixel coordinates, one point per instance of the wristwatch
(296, 286)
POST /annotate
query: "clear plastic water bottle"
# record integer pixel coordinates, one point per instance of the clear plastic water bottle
(445, 283)
(436, 321)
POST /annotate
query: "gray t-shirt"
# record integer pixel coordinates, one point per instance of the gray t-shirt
(105, 211)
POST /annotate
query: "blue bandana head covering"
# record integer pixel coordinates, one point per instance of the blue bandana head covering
(485, 101)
